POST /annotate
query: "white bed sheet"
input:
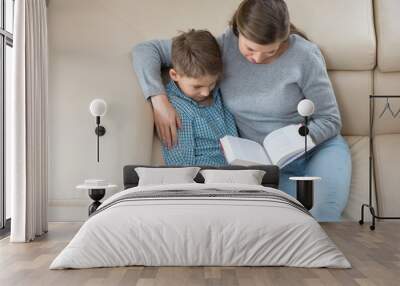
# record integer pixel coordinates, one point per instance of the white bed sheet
(200, 231)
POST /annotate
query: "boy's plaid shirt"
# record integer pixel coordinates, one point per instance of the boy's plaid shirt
(202, 127)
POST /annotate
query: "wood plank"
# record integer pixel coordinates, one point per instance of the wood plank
(375, 257)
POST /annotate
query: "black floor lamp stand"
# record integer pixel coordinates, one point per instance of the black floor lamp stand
(371, 159)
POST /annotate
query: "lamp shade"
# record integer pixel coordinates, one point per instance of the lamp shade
(98, 107)
(305, 108)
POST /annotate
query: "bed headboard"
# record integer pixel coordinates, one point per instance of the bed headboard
(270, 179)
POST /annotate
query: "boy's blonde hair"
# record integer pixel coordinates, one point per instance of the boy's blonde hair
(196, 53)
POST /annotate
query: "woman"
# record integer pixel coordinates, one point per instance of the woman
(268, 69)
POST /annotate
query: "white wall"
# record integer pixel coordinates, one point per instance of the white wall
(90, 43)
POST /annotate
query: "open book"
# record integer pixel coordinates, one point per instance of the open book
(280, 147)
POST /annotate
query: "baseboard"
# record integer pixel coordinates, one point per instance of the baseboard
(68, 210)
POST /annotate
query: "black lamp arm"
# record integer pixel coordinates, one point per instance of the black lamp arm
(303, 131)
(100, 131)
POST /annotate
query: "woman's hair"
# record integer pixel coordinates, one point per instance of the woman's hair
(196, 53)
(263, 21)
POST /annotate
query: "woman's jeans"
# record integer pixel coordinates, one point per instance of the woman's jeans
(331, 160)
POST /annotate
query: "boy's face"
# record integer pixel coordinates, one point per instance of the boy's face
(198, 89)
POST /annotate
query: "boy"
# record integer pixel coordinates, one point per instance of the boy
(196, 68)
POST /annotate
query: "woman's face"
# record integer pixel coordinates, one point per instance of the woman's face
(256, 53)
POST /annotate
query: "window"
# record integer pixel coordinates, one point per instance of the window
(6, 62)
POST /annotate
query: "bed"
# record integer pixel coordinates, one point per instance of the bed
(199, 224)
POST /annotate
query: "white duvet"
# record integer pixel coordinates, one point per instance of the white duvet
(200, 231)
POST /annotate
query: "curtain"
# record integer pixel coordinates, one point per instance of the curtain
(28, 122)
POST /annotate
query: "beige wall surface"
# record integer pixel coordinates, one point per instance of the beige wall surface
(90, 43)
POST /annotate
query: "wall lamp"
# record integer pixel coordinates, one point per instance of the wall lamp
(98, 108)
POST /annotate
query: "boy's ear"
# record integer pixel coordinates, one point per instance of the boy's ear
(173, 74)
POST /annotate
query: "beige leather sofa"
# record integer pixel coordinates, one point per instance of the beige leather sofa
(361, 43)
(360, 40)
(345, 32)
(387, 81)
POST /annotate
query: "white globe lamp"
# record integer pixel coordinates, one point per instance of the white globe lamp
(305, 108)
(98, 108)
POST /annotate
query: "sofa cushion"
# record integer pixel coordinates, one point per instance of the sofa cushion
(386, 84)
(352, 88)
(344, 30)
(359, 148)
(388, 34)
(387, 158)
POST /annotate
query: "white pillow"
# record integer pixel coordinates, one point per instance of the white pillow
(163, 176)
(248, 177)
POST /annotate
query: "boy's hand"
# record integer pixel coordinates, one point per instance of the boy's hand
(166, 120)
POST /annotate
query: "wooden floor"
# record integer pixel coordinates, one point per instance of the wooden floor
(375, 257)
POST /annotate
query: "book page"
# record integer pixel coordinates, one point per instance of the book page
(240, 151)
(286, 144)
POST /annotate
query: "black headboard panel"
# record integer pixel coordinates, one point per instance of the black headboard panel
(270, 179)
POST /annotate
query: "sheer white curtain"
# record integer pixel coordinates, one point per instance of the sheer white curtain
(28, 122)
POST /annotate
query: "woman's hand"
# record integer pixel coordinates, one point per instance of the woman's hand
(166, 120)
